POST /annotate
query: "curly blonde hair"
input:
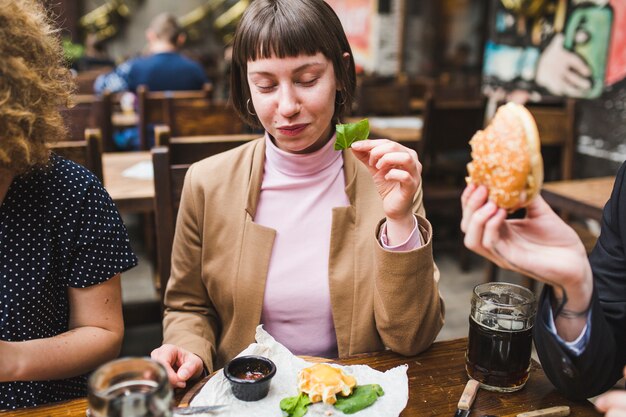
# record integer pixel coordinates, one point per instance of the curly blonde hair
(34, 83)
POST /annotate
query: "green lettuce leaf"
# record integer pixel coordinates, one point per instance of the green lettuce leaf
(295, 406)
(362, 397)
(351, 132)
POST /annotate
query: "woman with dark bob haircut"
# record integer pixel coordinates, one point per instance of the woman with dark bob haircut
(62, 243)
(329, 250)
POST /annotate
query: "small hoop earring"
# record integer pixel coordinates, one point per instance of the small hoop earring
(341, 102)
(248, 108)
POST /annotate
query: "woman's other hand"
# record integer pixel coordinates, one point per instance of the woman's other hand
(396, 171)
(181, 365)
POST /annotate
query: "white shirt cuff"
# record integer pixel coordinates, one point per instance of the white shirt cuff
(578, 345)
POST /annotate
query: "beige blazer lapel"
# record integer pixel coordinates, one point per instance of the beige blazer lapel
(345, 246)
(256, 250)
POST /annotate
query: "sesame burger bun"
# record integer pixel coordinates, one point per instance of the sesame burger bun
(506, 158)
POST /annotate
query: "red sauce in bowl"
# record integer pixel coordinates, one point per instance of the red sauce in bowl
(250, 375)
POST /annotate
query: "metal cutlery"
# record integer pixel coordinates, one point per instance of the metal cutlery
(187, 411)
(467, 398)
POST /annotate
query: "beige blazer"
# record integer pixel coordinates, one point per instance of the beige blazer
(380, 299)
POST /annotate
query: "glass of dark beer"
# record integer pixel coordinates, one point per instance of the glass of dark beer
(500, 336)
(130, 387)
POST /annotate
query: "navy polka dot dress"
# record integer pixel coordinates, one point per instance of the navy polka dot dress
(58, 229)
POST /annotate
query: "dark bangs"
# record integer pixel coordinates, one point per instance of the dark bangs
(286, 30)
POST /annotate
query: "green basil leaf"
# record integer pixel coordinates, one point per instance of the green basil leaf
(289, 404)
(362, 397)
(295, 406)
(351, 132)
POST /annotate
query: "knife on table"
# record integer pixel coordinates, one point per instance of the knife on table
(559, 411)
(187, 411)
(467, 398)
(562, 410)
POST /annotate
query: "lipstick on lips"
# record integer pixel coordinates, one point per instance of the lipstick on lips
(291, 130)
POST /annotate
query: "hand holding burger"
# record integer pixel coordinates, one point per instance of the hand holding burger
(506, 158)
(506, 173)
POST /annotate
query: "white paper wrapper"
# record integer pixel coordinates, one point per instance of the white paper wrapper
(284, 384)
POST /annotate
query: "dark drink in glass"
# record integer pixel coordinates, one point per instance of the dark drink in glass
(500, 336)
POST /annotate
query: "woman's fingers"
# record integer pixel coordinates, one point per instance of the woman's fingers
(398, 161)
(377, 148)
(191, 367)
(167, 356)
(405, 179)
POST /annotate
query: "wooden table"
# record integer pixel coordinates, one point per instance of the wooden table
(129, 194)
(585, 198)
(436, 381)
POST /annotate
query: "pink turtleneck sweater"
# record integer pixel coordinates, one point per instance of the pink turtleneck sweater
(297, 196)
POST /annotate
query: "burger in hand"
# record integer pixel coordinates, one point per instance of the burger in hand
(506, 158)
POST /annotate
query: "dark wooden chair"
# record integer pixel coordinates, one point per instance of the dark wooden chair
(86, 152)
(382, 97)
(86, 113)
(557, 130)
(168, 185)
(189, 149)
(110, 106)
(85, 79)
(214, 118)
(171, 163)
(186, 112)
(419, 88)
(444, 152)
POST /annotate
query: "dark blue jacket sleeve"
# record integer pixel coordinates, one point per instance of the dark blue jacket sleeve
(600, 365)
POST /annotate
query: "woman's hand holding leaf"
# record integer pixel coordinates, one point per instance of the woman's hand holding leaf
(396, 171)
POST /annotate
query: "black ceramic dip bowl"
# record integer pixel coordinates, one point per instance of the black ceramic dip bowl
(250, 376)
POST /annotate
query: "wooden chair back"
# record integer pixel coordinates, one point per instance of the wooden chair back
(85, 114)
(110, 106)
(87, 152)
(171, 160)
(557, 130)
(186, 112)
(189, 149)
(444, 151)
(168, 185)
(214, 118)
(85, 79)
(419, 89)
(382, 98)
(448, 127)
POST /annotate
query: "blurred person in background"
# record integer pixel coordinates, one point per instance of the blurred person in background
(162, 69)
(94, 56)
(62, 242)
